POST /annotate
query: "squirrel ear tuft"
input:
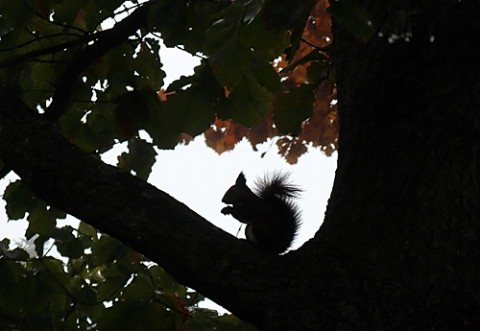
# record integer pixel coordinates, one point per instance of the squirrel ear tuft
(241, 179)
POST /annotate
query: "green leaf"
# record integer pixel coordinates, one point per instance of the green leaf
(106, 250)
(39, 242)
(72, 249)
(165, 283)
(111, 287)
(148, 63)
(248, 101)
(64, 233)
(132, 315)
(230, 63)
(191, 110)
(59, 282)
(252, 9)
(268, 43)
(19, 200)
(140, 288)
(13, 254)
(83, 14)
(17, 254)
(99, 127)
(202, 319)
(353, 18)
(85, 294)
(15, 15)
(41, 221)
(131, 112)
(180, 23)
(140, 158)
(4, 244)
(12, 288)
(225, 29)
(292, 108)
(87, 230)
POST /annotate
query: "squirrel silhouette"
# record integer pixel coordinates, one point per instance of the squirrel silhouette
(271, 216)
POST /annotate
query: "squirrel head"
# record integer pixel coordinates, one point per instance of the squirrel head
(238, 193)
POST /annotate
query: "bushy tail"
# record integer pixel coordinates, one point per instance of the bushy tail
(276, 186)
(285, 217)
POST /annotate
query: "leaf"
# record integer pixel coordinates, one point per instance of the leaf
(140, 158)
(14, 254)
(185, 23)
(106, 250)
(12, 287)
(148, 63)
(68, 244)
(140, 288)
(291, 149)
(136, 315)
(248, 101)
(85, 294)
(19, 200)
(39, 242)
(224, 135)
(252, 9)
(131, 112)
(202, 319)
(87, 230)
(40, 221)
(267, 42)
(165, 283)
(191, 110)
(15, 15)
(83, 14)
(353, 18)
(230, 64)
(111, 287)
(291, 108)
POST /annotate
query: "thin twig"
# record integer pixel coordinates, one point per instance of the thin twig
(320, 48)
(65, 26)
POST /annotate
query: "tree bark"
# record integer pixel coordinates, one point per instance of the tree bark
(403, 214)
(398, 249)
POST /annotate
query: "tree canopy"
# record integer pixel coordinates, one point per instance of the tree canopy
(398, 248)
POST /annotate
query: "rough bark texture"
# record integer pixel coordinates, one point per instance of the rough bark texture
(399, 246)
(405, 204)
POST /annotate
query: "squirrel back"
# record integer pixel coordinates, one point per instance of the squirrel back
(271, 216)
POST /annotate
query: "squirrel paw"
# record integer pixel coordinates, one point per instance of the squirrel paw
(227, 210)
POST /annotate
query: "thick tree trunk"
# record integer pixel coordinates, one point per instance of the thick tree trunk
(399, 246)
(404, 212)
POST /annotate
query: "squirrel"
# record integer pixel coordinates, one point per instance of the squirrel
(271, 216)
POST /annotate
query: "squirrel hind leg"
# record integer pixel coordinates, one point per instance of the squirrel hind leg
(266, 240)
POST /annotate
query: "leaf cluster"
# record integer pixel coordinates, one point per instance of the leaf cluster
(97, 284)
(262, 64)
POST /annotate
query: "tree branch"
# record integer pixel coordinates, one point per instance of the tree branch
(197, 253)
(105, 41)
(43, 51)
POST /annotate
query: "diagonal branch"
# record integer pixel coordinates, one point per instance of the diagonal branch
(197, 253)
